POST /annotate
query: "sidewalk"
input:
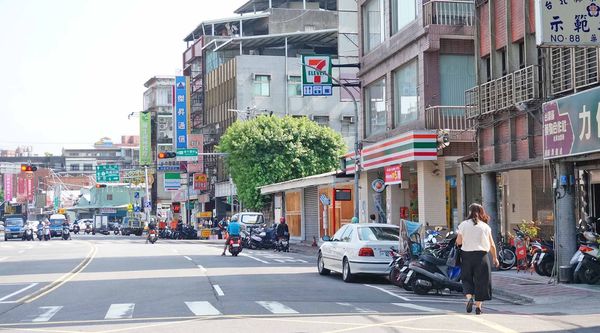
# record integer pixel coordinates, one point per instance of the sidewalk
(527, 288)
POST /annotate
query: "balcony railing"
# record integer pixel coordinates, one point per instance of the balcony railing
(451, 118)
(503, 93)
(449, 12)
(573, 69)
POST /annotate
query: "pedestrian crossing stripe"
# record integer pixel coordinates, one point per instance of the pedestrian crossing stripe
(204, 308)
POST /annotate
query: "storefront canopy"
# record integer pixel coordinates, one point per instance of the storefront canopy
(316, 180)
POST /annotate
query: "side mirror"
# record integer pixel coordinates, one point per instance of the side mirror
(326, 238)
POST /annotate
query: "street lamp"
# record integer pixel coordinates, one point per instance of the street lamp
(356, 140)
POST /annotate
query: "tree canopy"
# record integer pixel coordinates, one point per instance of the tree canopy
(268, 149)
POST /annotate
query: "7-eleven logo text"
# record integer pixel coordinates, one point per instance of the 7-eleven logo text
(316, 75)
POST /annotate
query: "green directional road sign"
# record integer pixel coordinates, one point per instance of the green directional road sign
(107, 173)
(189, 154)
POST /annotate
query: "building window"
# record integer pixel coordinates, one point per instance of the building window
(488, 68)
(74, 167)
(261, 85)
(406, 94)
(88, 167)
(375, 112)
(372, 14)
(403, 12)
(321, 120)
(521, 55)
(504, 61)
(294, 86)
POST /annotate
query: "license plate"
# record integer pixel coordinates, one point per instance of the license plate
(235, 245)
(541, 257)
(408, 276)
(403, 269)
(384, 253)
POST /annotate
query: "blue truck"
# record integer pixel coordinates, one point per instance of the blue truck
(13, 226)
(56, 224)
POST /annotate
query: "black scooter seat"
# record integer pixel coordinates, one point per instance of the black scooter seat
(434, 260)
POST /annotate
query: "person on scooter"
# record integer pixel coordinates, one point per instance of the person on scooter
(283, 231)
(233, 230)
(222, 225)
(151, 226)
(475, 239)
(66, 225)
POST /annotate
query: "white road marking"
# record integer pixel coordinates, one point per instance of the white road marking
(218, 290)
(3, 258)
(276, 307)
(21, 251)
(188, 258)
(48, 312)
(202, 309)
(416, 307)
(387, 292)
(18, 292)
(357, 309)
(120, 311)
(251, 257)
(202, 268)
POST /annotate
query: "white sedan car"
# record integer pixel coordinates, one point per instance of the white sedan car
(361, 248)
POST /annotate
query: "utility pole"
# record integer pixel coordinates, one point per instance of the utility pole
(148, 202)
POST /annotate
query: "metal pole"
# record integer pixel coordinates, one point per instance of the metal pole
(147, 195)
(356, 142)
(285, 77)
(187, 199)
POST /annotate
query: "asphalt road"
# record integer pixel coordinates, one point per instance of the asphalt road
(115, 283)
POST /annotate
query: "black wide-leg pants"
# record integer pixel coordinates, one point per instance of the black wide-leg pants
(476, 275)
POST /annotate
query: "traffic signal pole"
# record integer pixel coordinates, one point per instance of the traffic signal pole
(147, 195)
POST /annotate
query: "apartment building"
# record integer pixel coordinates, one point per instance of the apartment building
(248, 65)
(417, 58)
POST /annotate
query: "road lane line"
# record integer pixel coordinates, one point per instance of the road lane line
(276, 307)
(48, 312)
(202, 308)
(64, 279)
(188, 258)
(120, 311)
(3, 258)
(488, 323)
(416, 307)
(202, 268)
(218, 290)
(21, 251)
(357, 309)
(18, 291)
(387, 292)
(251, 257)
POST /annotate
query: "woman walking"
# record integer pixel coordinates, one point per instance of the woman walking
(475, 236)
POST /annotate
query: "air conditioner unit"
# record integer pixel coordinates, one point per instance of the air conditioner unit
(348, 119)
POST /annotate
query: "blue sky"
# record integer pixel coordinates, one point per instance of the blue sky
(72, 70)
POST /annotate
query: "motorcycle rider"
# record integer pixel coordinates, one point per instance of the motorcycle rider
(27, 227)
(222, 225)
(283, 231)
(66, 225)
(151, 226)
(46, 229)
(233, 229)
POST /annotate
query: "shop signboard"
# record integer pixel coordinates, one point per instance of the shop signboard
(316, 75)
(145, 138)
(567, 23)
(172, 181)
(571, 125)
(393, 174)
(200, 181)
(181, 111)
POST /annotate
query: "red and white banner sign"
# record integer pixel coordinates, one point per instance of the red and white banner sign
(196, 141)
(8, 187)
(200, 182)
(393, 174)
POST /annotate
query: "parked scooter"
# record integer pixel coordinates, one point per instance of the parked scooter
(46, 231)
(262, 238)
(88, 228)
(429, 272)
(235, 245)
(40, 234)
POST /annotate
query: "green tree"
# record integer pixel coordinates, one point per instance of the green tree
(267, 150)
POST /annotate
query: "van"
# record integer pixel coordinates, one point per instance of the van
(250, 219)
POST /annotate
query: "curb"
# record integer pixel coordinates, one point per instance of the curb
(512, 297)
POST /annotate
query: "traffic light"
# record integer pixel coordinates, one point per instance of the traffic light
(28, 168)
(166, 154)
(176, 207)
(100, 185)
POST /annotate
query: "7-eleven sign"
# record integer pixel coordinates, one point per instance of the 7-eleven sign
(318, 70)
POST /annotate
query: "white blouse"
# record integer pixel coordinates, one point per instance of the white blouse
(475, 237)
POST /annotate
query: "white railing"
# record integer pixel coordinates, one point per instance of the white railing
(573, 68)
(503, 93)
(451, 118)
(449, 12)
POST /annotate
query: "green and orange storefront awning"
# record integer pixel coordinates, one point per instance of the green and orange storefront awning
(406, 147)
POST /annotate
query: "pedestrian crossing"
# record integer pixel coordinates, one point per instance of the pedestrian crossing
(126, 311)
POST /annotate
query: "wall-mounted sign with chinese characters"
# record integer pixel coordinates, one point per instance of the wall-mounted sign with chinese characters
(567, 22)
(571, 125)
(181, 110)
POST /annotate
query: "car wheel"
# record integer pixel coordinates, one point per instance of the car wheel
(321, 266)
(346, 273)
